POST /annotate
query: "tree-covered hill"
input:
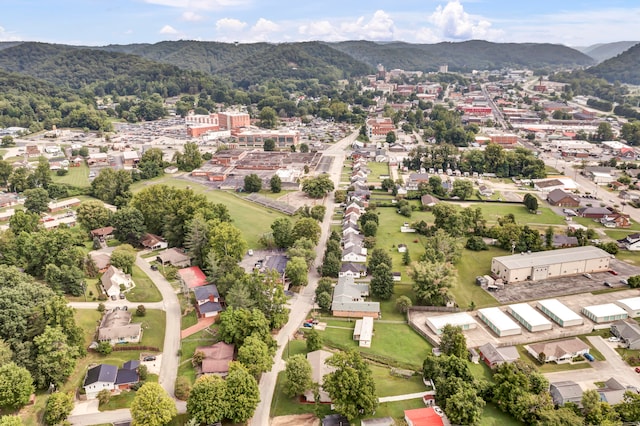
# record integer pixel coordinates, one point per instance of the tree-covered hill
(464, 56)
(624, 68)
(603, 51)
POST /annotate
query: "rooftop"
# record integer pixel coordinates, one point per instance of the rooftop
(559, 309)
(606, 309)
(529, 260)
(529, 314)
(499, 318)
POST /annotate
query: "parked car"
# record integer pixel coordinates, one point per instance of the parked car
(149, 358)
(586, 275)
(613, 339)
(122, 296)
(612, 272)
(154, 267)
(589, 357)
(637, 369)
(113, 297)
(623, 281)
(607, 284)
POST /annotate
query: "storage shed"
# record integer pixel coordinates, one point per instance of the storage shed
(604, 313)
(459, 319)
(499, 322)
(631, 305)
(531, 319)
(363, 332)
(559, 313)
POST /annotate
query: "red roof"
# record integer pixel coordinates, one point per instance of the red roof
(192, 276)
(423, 417)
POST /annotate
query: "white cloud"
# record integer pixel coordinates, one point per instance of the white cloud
(265, 26)
(317, 29)
(168, 29)
(191, 16)
(199, 4)
(452, 22)
(7, 36)
(229, 24)
(380, 27)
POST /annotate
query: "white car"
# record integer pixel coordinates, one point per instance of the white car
(614, 339)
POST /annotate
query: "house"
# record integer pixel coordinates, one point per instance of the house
(192, 277)
(130, 158)
(558, 351)
(8, 200)
(485, 191)
(355, 207)
(350, 229)
(102, 260)
(335, 420)
(363, 332)
(563, 241)
(351, 217)
(62, 205)
(429, 200)
(616, 220)
(427, 416)
(379, 421)
(348, 300)
(628, 331)
(153, 242)
(116, 327)
(319, 369)
(397, 276)
(594, 212)
(613, 391)
(494, 356)
(113, 280)
(354, 254)
(216, 358)
(174, 257)
(548, 185)
(277, 263)
(560, 198)
(207, 300)
(102, 233)
(631, 242)
(352, 240)
(565, 391)
(109, 377)
(353, 270)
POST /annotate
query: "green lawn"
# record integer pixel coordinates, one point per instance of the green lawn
(252, 219)
(377, 170)
(493, 211)
(153, 324)
(188, 348)
(87, 320)
(76, 176)
(190, 319)
(145, 290)
(388, 307)
(125, 398)
(472, 264)
(388, 385)
(549, 367)
(493, 416)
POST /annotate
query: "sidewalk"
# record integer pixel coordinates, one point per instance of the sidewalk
(201, 325)
(406, 396)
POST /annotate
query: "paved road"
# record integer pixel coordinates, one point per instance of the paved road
(301, 304)
(614, 366)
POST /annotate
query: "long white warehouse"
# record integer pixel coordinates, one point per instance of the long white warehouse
(550, 264)
(459, 319)
(631, 305)
(604, 313)
(499, 322)
(531, 319)
(559, 313)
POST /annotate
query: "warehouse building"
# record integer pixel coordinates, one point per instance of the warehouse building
(531, 319)
(499, 322)
(631, 305)
(459, 319)
(560, 313)
(550, 264)
(604, 313)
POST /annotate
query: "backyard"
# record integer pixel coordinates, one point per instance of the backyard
(76, 176)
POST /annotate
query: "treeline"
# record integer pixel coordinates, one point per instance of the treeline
(586, 84)
(599, 104)
(623, 68)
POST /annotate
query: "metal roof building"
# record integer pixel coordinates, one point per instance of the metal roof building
(631, 305)
(559, 313)
(604, 313)
(531, 319)
(549, 264)
(459, 319)
(499, 322)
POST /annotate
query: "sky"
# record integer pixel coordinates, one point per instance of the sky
(102, 22)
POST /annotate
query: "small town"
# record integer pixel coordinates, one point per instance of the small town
(273, 232)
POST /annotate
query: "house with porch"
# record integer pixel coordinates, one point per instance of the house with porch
(116, 327)
(109, 377)
(207, 300)
(113, 279)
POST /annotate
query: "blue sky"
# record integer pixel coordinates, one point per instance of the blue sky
(101, 22)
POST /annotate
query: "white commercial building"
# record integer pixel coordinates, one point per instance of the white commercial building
(531, 319)
(550, 264)
(631, 305)
(499, 322)
(604, 313)
(459, 319)
(560, 313)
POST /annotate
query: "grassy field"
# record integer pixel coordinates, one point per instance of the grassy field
(252, 220)
(188, 348)
(493, 211)
(471, 264)
(145, 290)
(377, 170)
(388, 385)
(76, 176)
(493, 416)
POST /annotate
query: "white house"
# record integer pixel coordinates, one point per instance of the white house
(112, 279)
(354, 254)
(558, 351)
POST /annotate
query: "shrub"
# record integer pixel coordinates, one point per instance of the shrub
(182, 389)
(104, 348)
(141, 311)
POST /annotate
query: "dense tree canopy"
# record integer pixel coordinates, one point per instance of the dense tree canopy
(152, 406)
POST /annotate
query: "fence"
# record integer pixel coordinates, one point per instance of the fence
(434, 309)
(120, 348)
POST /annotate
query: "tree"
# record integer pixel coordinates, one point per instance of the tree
(151, 163)
(324, 301)
(303, 248)
(382, 281)
(306, 228)
(16, 386)
(238, 324)
(604, 132)
(23, 221)
(191, 159)
(304, 148)
(141, 311)
(432, 282)
(7, 140)
(391, 137)
(268, 117)
(5, 171)
(351, 386)
(379, 256)
(403, 303)
(531, 202)
(124, 257)
(59, 406)
(314, 340)
(152, 406)
(55, 357)
(462, 189)
(112, 186)
(296, 271)
(41, 176)
(93, 214)
(37, 200)
(476, 243)
(255, 355)
(369, 229)
(453, 342)
(104, 348)
(269, 145)
(208, 402)
(435, 186)
(465, 406)
(297, 375)
(197, 240)
(10, 420)
(129, 225)
(226, 240)
(318, 187)
(629, 408)
(276, 184)
(5, 352)
(442, 247)
(282, 232)
(68, 279)
(243, 394)
(18, 180)
(252, 183)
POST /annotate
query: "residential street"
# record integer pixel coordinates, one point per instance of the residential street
(303, 302)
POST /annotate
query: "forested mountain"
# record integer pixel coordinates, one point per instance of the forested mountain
(463, 56)
(624, 68)
(603, 51)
